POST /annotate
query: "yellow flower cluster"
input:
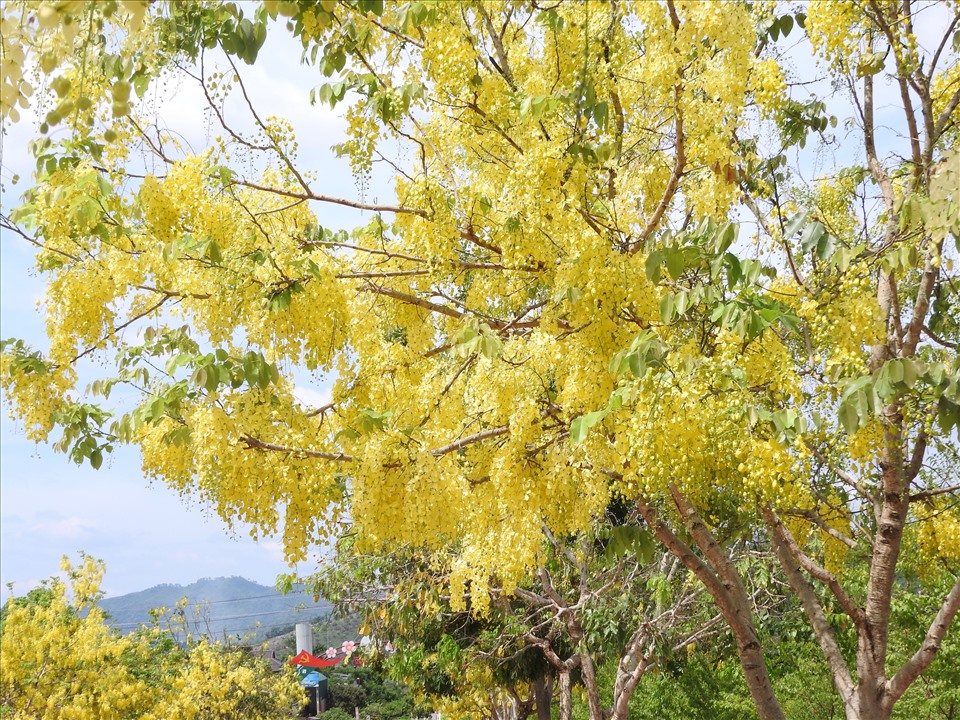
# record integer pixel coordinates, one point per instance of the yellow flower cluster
(844, 321)
(836, 516)
(60, 660)
(768, 85)
(939, 535)
(216, 683)
(472, 328)
(832, 26)
(33, 397)
(864, 445)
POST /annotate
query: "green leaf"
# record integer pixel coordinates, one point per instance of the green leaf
(786, 25)
(213, 252)
(369, 419)
(490, 346)
(675, 263)
(630, 539)
(279, 301)
(652, 265)
(581, 425)
(348, 433)
(251, 368)
(667, 308)
(601, 114)
(911, 372)
(811, 235)
(140, 81)
(849, 418)
(617, 362)
(948, 415)
(199, 376)
(825, 246)
(726, 235)
(795, 224)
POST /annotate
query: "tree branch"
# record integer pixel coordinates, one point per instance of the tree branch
(814, 517)
(356, 204)
(811, 605)
(447, 310)
(470, 439)
(922, 658)
(934, 492)
(827, 578)
(257, 444)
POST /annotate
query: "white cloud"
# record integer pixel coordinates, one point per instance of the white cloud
(57, 527)
(310, 397)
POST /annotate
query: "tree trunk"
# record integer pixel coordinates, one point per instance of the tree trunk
(722, 580)
(543, 696)
(566, 696)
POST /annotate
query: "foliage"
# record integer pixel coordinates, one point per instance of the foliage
(335, 713)
(371, 690)
(557, 314)
(606, 599)
(388, 710)
(698, 687)
(60, 660)
(348, 696)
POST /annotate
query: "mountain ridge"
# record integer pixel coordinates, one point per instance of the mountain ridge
(231, 607)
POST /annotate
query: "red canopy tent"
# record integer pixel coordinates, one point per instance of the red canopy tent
(305, 659)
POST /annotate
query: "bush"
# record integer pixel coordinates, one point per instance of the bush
(336, 713)
(392, 710)
(348, 696)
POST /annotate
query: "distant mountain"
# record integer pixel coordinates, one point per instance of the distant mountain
(218, 607)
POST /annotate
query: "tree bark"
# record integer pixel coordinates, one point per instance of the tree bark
(722, 581)
(566, 696)
(543, 696)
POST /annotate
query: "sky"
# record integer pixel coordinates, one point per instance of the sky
(146, 533)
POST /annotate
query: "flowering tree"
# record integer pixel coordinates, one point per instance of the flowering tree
(598, 598)
(558, 308)
(60, 659)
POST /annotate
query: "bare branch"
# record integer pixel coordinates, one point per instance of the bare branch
(922, 658)
(803, 560)
(374, 207)
(447, 310)
(794, 270)
(811, 605)
(680, 162)
(122, 326)
(939, 340)
(934, 492)
(844, 476)
(470, 439)
(814, 517)
(257, 444)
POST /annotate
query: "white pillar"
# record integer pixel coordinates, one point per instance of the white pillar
(304, 637)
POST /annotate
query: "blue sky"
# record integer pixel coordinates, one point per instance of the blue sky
(146, 533)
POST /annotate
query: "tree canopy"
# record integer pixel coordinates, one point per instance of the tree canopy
(631, 258)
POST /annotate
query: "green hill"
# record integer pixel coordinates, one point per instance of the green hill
(219, 607)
